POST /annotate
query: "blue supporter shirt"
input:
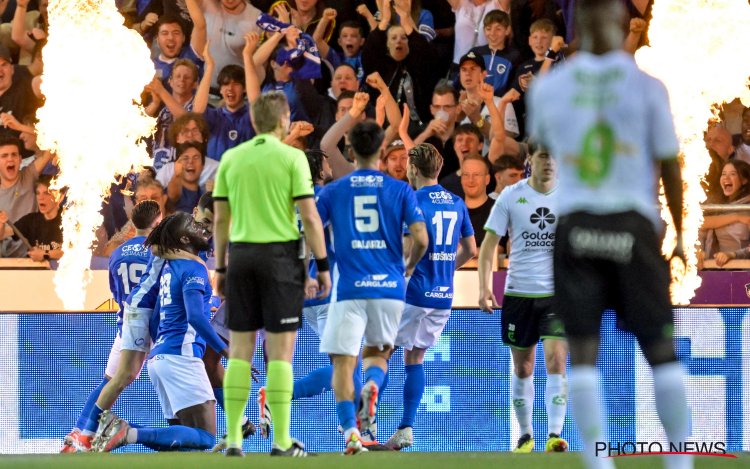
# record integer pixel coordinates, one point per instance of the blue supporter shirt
(447, 218)
(367, 210)
(177, 336)
(499, 65)
(228, 129)
(127, 264)
(164, 67)
(312, 269)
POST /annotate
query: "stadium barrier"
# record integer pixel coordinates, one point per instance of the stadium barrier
(52, 361)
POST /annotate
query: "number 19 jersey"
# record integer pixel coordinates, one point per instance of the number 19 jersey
(447, 218)
(368, 210)
(126, 266)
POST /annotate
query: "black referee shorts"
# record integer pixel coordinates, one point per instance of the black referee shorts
(611, 261)
(265, 287)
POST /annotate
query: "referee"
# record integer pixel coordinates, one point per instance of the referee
(257, 187)
(610, 126)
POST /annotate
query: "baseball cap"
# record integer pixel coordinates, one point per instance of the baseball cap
(5, 54)
(394, 145)
(471, 56)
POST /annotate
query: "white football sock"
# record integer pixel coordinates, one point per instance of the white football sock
(671, 405)
(556, 401)
(523, 402)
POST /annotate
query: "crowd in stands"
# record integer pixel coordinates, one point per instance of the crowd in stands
(453, 73)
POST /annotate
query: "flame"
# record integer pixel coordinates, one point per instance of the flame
(94, 71)
(696, 50)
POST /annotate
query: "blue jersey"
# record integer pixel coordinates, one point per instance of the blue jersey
(127, 264)
(175, 335)
(312, 269)
(368, 210)
(143, 297)
(228, 129)
(500, 66)
(447, 218)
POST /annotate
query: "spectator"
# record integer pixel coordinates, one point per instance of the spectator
(406, 66)
(469, 32)
(439, 131)
(344, 79)
(507, 170)
(17, 196)
(472, 105)
(351, 40)
(475, 177)
(166, 106)
(346, 120)
(500, 57)
(304, 14)
(394, 160)
(467, 143)
(171, 40)
(190, 127)
(742, 141)
(724, 233)
(183, 190)
(29, 30)
(720, 150)
(226, 23)
(42, 230)
(17, 91)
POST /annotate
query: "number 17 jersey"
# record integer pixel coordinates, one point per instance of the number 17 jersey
(368, 210)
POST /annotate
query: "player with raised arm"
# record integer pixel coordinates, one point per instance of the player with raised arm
(174, 365)
(611, 128)
(367, 210)
(527, 211)
(429, 294)
(126, 266)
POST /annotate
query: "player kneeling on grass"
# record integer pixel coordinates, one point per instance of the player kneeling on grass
(528, 211)
(174, 365)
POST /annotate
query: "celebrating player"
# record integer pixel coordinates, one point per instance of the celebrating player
(367, 211)
(429, 294)
(527, 210)
(175, 366)
(126, 266)
(611, 126)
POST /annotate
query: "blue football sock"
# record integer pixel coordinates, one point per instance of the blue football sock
(219, 395)
(316, 382)
(376, 375)
(357, 378)
(175, 438)
(413, 390)
(90, 402)
(346, 413)
(89, 428)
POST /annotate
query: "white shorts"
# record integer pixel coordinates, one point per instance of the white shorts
(316, 316)
(180, 382)
(349, 320)
(135, 334)
(421, 327)
(113, 361)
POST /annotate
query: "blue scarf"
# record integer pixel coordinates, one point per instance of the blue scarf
(304, 58)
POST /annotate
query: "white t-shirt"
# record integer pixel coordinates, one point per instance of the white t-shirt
(469, 28)
(226, 33)
(530, 219)
(608, 123)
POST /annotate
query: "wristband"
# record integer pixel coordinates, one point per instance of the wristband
(322, 264)
(220, 270)
(552, 55)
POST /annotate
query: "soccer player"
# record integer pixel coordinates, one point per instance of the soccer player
(258, 185)
(429, 294)
(175, 366)
(126, 266)
(611, 127)
(367, 211)
(527, 211)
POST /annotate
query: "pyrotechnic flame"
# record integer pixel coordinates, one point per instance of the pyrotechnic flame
(94, 71)
(696, 49)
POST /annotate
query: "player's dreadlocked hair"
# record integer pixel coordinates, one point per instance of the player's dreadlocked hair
(144, 214)
(427, 159)
(315, 160)
(166, 236)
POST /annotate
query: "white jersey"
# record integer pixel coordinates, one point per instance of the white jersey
(607, 123)
(530, 219)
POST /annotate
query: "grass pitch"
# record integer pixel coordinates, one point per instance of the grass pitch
(378, 460)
